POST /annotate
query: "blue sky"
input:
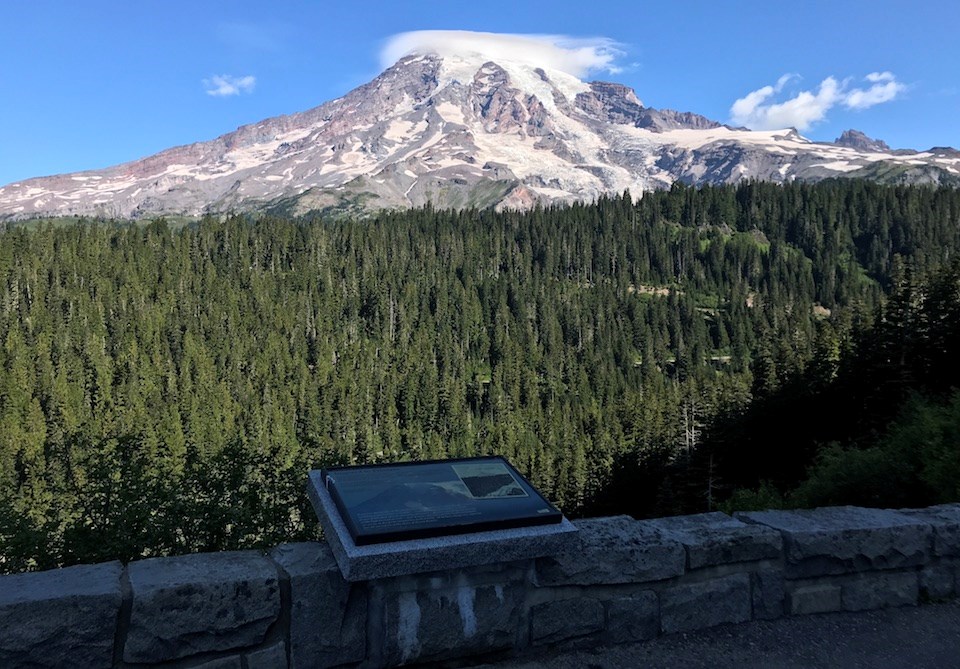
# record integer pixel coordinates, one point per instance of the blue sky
(90, 84)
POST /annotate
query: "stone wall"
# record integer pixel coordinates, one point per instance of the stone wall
(623, 580)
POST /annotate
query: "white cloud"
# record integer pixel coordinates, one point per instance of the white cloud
(576, 56)
(746, 105)
(224, 84)
(875, 77)
(756, 110)
(885, 88)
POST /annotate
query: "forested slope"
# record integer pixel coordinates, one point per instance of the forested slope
(166, 390)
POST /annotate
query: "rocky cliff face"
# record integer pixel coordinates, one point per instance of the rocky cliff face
(857, 140)
(460, 132)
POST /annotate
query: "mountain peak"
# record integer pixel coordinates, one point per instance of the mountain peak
(858, 140)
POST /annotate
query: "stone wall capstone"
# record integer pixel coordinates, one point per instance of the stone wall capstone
(61, 617)
(845, 539)
(614, 550)
(200, 603)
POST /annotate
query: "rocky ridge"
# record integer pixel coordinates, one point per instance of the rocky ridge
(857, 140)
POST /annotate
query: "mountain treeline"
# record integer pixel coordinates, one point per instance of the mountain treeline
(165, 391)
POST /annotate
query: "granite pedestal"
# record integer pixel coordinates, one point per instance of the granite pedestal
(400, 558)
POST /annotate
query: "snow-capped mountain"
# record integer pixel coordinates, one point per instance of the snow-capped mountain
(460, 131)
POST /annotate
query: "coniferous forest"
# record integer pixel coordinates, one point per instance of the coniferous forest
(165, 390)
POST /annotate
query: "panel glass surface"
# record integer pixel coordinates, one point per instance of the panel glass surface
(418, 500)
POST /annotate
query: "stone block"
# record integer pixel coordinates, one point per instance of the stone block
(200, 603)
(846, 539)
(938, 582)
(61, 617)
(878, 591)
(271, 657)
(449, 622)
(767, 593)
(328, 615)
(232, 662)
(815, 598)
(694, 606)
(716, 538)
(614, 550)
(562, 620)
(635, 618)
(945, 521)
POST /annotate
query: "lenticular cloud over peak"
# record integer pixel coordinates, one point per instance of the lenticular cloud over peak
(573, 55)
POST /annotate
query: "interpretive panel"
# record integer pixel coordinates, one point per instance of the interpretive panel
(416, 500)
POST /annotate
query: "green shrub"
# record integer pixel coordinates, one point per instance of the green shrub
(765, 497)
(916, 463)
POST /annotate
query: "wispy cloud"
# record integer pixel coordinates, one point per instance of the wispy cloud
(222, 85)
(758, 111)
(573, 55)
